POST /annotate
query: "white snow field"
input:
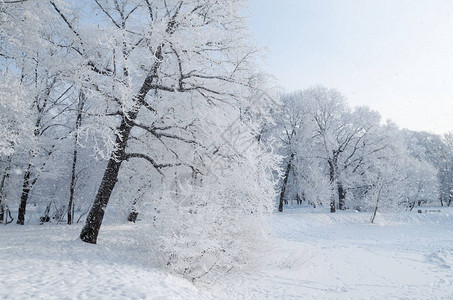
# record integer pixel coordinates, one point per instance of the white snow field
(313, 255)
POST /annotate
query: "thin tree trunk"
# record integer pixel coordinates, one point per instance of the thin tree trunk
(72, 185)
(46, 217)
(2, 211)
(332, 203)
(377, 204)
(2, 186)
(26, 187)
(285, 182)
(332, 180)
(341, 197)
(74, 159)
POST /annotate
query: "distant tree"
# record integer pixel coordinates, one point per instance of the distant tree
(435, 150)
(31, 56)
(340, 137)
(347, 155)
(291, 121)
(446, 170)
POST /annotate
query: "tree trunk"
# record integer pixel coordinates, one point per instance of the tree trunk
(93, 222)
(377, 204)
(332, 180)
(332, 204)
(2, 187)
(24, 197)
(285, 182)
(74, 159)
(72, 185)
(298, 199)
(46, 217)
(2, 210)
(341, 197)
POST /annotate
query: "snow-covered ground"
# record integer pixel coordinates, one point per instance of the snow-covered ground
(48, 262)
(343, 256)
(313, 255)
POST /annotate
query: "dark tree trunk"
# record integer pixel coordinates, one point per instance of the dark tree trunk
(46, 217)
(94, 219)
(341, 197)
(72, 185)
(74, 159)
(285, 182)
(93, 223)
(2, 211)
(377, 205)
(298, 199)
(332, 204)
(2, 185)
(26, 187)
(332, 180)
(71, 199)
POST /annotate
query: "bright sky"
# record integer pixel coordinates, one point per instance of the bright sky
(395, 56)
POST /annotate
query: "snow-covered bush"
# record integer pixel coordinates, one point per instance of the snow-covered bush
(202, 224)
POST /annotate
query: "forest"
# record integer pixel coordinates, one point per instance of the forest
(154, 115)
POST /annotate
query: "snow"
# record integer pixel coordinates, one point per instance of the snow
(48, 262)
(342, 255)
(312, 254)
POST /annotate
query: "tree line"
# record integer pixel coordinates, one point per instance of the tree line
(347, 157)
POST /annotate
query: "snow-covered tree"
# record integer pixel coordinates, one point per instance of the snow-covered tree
(349, 153)
(289, 130)
(437, 151)
(30, 56)
(170, 84)
(446, 170)
(17, 130)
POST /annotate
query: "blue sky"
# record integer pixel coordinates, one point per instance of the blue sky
(395, 56)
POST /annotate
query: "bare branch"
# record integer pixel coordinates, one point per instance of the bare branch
(150, 9)
(14, 1)
(107, 14)
(151, 160)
